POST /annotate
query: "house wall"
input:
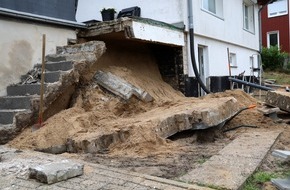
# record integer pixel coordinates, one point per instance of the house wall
(278, 23)
(21, 47)
(217, 34)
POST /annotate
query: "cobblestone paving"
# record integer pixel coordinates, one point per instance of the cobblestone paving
(14, 166)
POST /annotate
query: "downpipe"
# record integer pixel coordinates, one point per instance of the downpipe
(192, 52)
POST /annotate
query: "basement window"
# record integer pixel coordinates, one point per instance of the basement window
(278, 8)
(233, 60)
(214, 7)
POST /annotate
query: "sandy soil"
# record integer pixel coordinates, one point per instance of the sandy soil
(96, 112)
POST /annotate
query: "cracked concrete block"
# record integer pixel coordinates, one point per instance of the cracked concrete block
(55, 172)
(120, 87)
(278, 99)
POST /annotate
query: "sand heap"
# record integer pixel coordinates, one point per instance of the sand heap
(97, 113)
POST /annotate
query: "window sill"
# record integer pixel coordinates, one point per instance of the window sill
(213, 14)
(252, 32)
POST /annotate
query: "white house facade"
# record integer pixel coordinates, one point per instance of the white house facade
(224, 31)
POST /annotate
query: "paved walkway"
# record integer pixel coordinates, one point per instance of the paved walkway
(14, 166)
(230, 168)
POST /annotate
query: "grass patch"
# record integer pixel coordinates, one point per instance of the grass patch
(257, 179)
(281, 78)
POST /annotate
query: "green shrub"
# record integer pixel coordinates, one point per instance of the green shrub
(273, 58)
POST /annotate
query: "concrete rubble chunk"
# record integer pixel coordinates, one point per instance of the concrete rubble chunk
(282, 154)
(281, 184)
(278, 99)
(121, 87)
(56, 172)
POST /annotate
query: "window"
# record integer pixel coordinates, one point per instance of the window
(213, 6)
(278, 8)
(248, 14)
(233, 60)
(273, 39)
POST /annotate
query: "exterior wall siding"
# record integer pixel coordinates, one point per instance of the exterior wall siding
(279, 23)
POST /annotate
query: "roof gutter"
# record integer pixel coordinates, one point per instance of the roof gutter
(39, 18)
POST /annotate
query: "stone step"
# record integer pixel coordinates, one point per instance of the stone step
(61, 65)
(25, 89)
(7, 115)
(49, 77)
(15, 102)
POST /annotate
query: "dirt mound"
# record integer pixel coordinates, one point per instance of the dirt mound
(97, 113)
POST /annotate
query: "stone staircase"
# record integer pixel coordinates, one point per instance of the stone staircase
(63, 71)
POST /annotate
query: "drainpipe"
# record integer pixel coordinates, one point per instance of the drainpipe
(191, 41)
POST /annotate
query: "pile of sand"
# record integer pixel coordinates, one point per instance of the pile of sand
(96, 112)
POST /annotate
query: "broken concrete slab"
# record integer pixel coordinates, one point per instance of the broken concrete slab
(281, 184)
(284, 154)
(56, 172)
(268, 110)
(231, 167)
(121, 87)
(278, 99)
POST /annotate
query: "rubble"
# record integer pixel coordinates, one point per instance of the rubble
(56, 171)
(120, 87)
(278, 99)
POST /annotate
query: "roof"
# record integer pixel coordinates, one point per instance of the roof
(39, 18)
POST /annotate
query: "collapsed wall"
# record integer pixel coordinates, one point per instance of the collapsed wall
(100, 121)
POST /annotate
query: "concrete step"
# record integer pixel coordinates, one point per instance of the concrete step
(25, 89)
(57, 65)
(7, 115)
(15, 102)
(49, 77)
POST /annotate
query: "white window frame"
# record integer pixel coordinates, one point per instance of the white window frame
(272, 6)
(248, 16)
(218, 8)
(233, 60)
(268, 38)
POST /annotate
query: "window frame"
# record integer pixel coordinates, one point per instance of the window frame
(278, 13)
(233, 60)
(268, 38)
(249, 19)
(219, 8)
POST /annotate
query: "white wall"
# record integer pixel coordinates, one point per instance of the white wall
(167, 11)
(216, 60)
(21, 47)
(216, 33)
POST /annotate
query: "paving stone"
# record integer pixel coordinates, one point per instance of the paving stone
(284, 154)
(115, 187)
(96, 178)
(235, 163)
(281, 184)
(55, 172)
